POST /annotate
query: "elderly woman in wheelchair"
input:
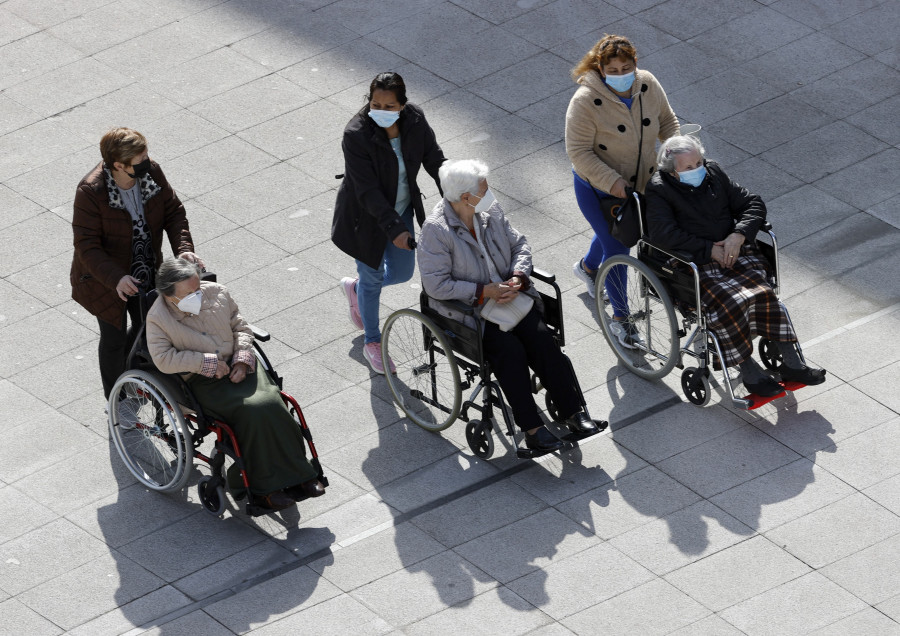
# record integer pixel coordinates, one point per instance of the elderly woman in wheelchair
(476, 269)
(194, 329)
(702, 253)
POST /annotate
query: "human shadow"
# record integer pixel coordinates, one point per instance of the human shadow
(472, 509)
(661, 433)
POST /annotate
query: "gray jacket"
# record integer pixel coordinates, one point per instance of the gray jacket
(451, 263)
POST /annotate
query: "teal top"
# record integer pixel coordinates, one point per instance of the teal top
(403, 198)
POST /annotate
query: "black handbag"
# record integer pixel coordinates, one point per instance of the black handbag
(622, 216)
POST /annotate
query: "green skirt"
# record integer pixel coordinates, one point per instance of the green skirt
(270, 439)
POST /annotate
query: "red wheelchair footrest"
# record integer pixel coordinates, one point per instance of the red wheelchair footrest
(757, 401)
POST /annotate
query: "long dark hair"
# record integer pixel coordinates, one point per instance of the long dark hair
(387, 81)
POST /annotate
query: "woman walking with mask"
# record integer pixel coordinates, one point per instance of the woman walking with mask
(612, 124)
(384, 146)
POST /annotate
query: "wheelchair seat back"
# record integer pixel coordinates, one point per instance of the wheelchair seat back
(464, 340)
(677, 278)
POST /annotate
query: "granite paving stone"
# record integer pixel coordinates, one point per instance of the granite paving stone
(525, 546)
(197, 622)
(868, 621)
(734, 575)
(863, 103)
(499, 609)
(20, 514)
(880, 446)
(821, 13)
(683, 537)
(424, 588)
(622, 614)
(338, 615)
(102, 585)
(878, 120)
(22, 619)
(805, 603)
(782, 495)
(302, 37)
(33, 56)
(138, 612)
(554, 589)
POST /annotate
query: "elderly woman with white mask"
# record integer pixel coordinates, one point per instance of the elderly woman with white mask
(469, 252)
(694, 207)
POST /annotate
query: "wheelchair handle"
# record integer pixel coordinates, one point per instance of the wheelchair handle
(411, 243)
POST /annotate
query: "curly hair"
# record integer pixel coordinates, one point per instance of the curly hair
(602, 52)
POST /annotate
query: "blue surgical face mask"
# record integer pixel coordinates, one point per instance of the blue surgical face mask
(693, 177)
(620, 83)
(385, 118)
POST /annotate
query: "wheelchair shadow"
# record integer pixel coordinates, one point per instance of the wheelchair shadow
(145, 532)
(738, 509)
(456, 572)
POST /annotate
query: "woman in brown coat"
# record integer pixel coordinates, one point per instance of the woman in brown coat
(609, 152)
(122, 207)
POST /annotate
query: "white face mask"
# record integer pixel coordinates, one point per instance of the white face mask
(486, 202)
(190, 304)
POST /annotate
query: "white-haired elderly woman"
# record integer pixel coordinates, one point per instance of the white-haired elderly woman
(469, 252)
(194, 329)
(693, 206)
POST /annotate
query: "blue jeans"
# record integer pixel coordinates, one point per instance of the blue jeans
(603, 245)
(397, 266)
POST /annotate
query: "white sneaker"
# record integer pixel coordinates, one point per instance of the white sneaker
(583, 276)
(626, 333)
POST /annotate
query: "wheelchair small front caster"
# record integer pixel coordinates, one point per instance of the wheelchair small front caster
(695, 384)
(478, 435)
(552, 410)
(770, 355)
(212, 495)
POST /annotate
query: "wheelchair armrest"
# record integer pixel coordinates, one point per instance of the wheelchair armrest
(766, 226)
(259, 334)
(678, 255)
(543, 276)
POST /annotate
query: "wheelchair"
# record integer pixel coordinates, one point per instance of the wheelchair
(158, 426)
(437, 358)
(661, 281)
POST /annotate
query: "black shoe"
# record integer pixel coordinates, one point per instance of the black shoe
(580, 424)
(543, 440)
(807, 376)
(277, 500)
(767, 387)
(311, 488)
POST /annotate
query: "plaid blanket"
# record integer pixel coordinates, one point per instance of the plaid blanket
(740, 304)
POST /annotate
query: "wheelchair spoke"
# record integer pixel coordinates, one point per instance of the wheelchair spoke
(426, 385)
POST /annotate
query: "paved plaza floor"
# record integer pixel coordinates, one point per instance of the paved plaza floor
(680, 519)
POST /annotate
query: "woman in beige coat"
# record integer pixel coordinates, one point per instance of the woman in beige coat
(603, 134)
(195, 329)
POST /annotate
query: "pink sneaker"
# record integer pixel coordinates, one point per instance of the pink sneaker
(348, 286)
(372, 354)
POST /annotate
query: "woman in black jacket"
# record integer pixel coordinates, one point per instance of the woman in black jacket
(384, 146)
(693, 206)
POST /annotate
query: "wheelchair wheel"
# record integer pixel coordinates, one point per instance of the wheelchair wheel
(150, 432)
(212, 495)
(770, 354)
(654, 344)
(695, 384)
(426, 386)
(478, 435)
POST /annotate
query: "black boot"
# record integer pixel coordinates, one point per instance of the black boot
(804, 375)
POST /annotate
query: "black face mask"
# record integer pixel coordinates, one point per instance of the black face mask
(141, 169)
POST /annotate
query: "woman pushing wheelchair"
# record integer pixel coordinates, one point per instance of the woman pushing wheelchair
(692, 206)
(194, 329)
(469, 252)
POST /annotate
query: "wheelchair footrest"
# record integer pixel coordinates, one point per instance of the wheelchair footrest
(757, 401)
(570, 442)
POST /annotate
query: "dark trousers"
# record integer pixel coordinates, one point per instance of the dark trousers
(530, 344)
(115, 343)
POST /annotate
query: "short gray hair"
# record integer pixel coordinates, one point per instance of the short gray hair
(462, 176)
(678, 145)
(172, 272)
